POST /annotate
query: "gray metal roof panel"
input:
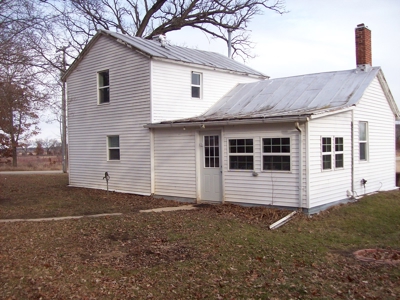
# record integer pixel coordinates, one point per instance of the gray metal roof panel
(310, 94)
(186, 55)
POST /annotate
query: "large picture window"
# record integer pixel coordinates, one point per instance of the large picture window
(363, 140)
(276, 154)
(103, 82)
(241, 154)
(196, 85)
(113, 147)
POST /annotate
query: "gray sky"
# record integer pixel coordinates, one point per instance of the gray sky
(315, 36)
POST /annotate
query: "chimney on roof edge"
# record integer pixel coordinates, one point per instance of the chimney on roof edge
(363, 47)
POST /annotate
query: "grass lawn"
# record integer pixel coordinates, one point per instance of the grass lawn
(215, 252)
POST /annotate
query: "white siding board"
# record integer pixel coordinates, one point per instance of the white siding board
(175, 163)
(380, 169)
(328, 186)
(171, 95)
(90, 123)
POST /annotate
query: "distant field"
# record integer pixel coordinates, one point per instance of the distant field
(33, 163)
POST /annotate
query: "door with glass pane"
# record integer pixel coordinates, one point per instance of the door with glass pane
(211, 168)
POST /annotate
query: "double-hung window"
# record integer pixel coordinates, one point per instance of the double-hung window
(326, 153)
(332, 153)
(113, 147)
(103, 86)
(339, 161)
(276, 154)
(363, 140)
(196, 85)
(241, 154)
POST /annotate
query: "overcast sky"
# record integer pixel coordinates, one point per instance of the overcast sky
(314, 36)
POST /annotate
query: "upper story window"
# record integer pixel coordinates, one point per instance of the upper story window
(363, 140)
(276, 154)
(103, 86)
(196, 85)
(241, 154)
(113, 147)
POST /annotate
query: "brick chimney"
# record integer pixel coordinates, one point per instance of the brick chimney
(363, 47)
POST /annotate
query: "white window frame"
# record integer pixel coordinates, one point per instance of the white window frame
(109, 147)
(100, 88)
(363, 141)
(327, 153)
(338, 152)
(276, 154)
(193, 85)
(238, 154)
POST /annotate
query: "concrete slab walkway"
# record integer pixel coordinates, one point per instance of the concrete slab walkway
(162, 209)
(58, 218)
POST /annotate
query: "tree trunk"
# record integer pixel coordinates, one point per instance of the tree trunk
(14, 155)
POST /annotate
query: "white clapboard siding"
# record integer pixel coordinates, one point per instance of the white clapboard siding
(89, 124)
(326, 186)
(268, 188)
(175, 163)
(380, 169)
(171, 94)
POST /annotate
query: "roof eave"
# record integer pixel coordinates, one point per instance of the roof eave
(203, 123)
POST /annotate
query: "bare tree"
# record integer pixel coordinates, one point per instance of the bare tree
(22, 74)
(82, 18)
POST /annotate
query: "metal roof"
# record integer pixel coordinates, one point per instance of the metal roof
(184, 55)
(298, 96)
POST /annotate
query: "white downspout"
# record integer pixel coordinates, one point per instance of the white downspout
(352, 152)
(300, 164)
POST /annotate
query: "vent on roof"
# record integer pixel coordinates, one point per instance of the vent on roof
(161, 38)
(363, 47)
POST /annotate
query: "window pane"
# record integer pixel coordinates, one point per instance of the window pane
(206, 140)
(207, 162)
(113, 141)
(195, 92)
(104, 95)
(326, 144)
(363, 131)
(339, 161)
(326, 162)
(113, 154)
(211, 162)
(241, 162)
(275, 162)
(195, 78)
(363, 151)
(104, 79)
(276, 145)
(338, 144)
(216, 165)
(216, 140)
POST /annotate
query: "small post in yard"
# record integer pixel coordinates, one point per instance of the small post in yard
(107, 178)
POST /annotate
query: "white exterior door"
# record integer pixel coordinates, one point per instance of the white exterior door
(211, 168)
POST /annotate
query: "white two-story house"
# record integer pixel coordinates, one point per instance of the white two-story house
(197, 126)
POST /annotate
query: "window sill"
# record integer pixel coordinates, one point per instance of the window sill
(277, 171)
